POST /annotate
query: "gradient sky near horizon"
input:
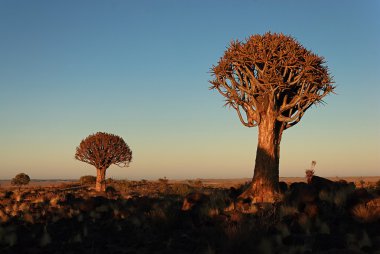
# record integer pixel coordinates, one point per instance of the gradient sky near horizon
(140, 69)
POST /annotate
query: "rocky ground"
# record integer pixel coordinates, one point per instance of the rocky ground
(189, 217)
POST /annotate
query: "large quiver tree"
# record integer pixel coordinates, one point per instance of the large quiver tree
(102, 150)
(270, 80)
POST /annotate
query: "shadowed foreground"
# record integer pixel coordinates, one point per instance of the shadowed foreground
(158, 217)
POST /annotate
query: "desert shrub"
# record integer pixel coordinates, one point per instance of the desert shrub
(20, 179)
(163, 181)
(123, 185)
(157, 216)
(286, 210)
(362, 183)
(163, 185)
(340, 197)
(378, 185)
(365, 213)
(88, 179)
(196, 183)
(219, 199)
(181, 189)
(243, 187)
(110, 180)
(283, 186)
(111, 191)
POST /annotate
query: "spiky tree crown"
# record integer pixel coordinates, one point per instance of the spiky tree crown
(102, 150)
(271, 72)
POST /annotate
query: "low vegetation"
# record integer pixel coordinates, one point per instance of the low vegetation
(163, 217)
(20, 180)
(87, 180)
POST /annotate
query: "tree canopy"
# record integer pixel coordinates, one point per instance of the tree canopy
(20, 179)
(271, 72)
(102, 150)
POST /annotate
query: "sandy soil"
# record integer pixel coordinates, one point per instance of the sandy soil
(38, 183)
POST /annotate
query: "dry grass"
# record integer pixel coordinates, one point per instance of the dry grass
(367, 212)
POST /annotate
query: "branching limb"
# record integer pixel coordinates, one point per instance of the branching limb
(250, 121)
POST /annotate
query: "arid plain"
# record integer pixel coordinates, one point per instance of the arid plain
(368, 180)
(340, 215)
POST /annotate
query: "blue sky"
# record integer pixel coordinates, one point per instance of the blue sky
(140, 69)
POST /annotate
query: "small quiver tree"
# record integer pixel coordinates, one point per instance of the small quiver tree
(20, 179)
(102, 150)
(270, 80)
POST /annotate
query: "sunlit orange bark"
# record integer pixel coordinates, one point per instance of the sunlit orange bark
(100, 180)
(264, 186)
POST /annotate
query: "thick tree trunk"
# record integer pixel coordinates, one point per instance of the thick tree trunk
(264, 186)
(100, 180)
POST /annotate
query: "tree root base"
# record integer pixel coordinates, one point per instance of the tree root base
(261, 196)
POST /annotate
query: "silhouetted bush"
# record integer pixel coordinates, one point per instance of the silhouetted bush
(378, 185)
(20, 179)
(181, 189)
(85, 180)
(163, 181)
(110, 180)
(283, 187)
(196, 183)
